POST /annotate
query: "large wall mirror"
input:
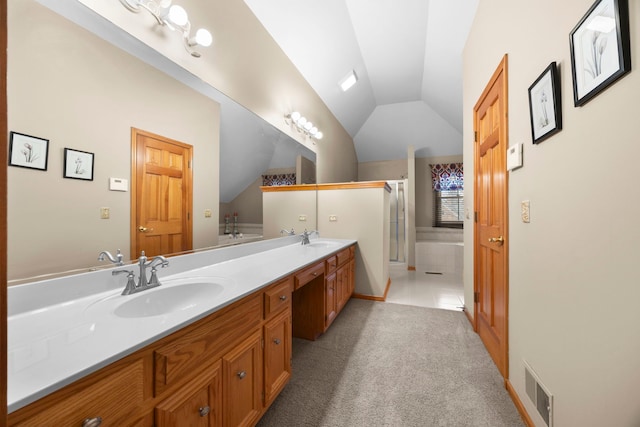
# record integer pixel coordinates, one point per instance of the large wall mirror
(70, 86)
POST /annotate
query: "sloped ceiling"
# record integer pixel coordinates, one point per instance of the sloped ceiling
(407, 55)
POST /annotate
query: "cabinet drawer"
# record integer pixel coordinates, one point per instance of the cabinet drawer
(115, 395)
(276, 297)
(308, 274)
(188, 354)
(343, 256)
(197, 404)
(332, 264)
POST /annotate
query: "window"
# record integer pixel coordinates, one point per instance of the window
(448, 184)
(449, 208)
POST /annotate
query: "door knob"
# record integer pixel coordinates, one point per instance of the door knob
(498, 239)
(144, 229)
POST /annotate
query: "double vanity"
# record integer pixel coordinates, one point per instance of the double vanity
(211, 346)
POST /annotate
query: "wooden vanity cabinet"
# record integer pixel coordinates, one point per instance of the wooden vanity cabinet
(116, 395)
(223, 370)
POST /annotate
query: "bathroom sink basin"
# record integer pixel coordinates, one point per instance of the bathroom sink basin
(321, 244)
(165, 300)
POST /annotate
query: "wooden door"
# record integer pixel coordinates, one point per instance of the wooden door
(491, 234)
(161, 195)
(242, 383)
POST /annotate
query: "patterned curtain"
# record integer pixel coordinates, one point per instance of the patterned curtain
(279, 179)
(447, 176)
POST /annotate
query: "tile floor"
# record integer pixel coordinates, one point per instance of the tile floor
(425, 290)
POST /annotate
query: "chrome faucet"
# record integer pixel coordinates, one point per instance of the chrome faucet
(287, 232)
(143, 284)
(306, 234)
(117, 260)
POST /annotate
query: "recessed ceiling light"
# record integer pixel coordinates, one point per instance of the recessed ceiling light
(348, 81)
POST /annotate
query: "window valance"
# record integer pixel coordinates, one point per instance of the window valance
(279, 179)
(447, 176)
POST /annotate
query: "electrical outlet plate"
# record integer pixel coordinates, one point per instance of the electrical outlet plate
(525, 211)
(104, 213)
(302, 218)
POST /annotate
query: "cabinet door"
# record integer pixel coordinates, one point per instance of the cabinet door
(342, 288)
(330, 299)
(197, 404)
(277, 354)
(352, 277)
(242, 382)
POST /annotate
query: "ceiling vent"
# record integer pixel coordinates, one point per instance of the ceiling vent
(539, 395)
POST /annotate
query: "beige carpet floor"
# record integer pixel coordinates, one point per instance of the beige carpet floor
(393, 365)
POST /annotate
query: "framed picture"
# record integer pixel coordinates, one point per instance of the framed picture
(545, 104)
(600, 51)
(28, 151)
(78, 164)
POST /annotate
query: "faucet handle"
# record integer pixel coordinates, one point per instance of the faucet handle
(130, 288)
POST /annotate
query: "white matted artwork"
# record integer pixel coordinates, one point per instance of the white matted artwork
(78, 164)
(26, 151)
(600, 51)
(545, 107)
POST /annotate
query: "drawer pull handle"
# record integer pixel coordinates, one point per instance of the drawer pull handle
(204, 411)
(283, 297)
(276, 341)
(92, 422)
(242, 374)
(314, 274)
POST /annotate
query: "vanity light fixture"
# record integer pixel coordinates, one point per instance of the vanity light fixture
(348, 81)
(303, 125)
(175, 18)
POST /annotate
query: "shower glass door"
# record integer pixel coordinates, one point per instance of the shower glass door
(398, 221)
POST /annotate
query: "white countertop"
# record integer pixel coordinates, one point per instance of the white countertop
(50, 346)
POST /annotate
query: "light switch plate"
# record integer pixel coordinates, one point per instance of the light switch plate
(333, 218)
(207, 213)
(302, 218)
(104, 213)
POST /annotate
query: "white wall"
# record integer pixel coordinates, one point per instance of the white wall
(284, 209)
(573, 275)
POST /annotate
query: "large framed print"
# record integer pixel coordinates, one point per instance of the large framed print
(600, 51)
(545, 107)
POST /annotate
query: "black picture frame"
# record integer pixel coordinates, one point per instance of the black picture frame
(600, 49)
(78, 164)
(27, 151)
(545, 104)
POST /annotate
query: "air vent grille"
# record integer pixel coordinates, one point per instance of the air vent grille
(539, 395)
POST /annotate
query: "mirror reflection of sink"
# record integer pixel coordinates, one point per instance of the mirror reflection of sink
(165, 300)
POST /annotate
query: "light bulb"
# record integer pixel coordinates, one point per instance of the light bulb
(178, 16)
(313, 130)
(203, 37)
(318, 135)
(164, 4)
(302, 121)
(295, 116)
(308, 125)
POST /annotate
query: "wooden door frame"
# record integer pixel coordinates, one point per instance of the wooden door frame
(504, 134)
(134, 186)
(3, 213)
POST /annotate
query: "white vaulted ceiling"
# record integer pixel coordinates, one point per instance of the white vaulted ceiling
(408, 58)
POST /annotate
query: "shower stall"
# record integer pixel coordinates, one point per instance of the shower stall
(398, 218)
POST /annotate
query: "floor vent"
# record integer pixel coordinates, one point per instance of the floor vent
(431, 272)
(539, 395)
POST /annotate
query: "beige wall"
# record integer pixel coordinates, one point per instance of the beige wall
(398, 169)
(362, 214)
(577, 259)
(283, 210)
(68, 86)
(248, 66)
